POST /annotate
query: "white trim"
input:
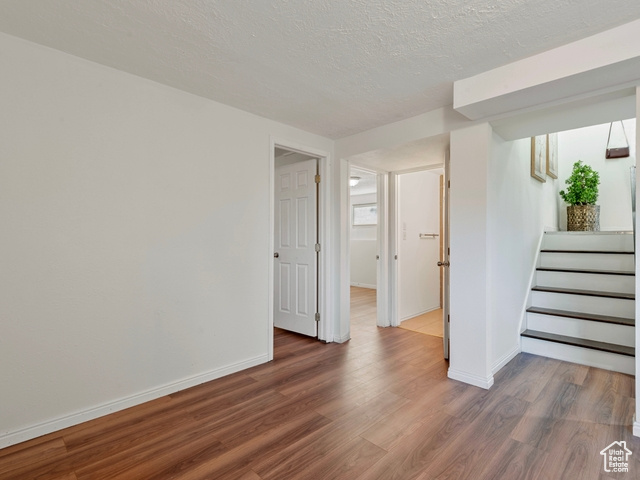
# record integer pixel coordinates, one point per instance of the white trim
(364, 285)
(343, 322)
(636, 426)
(60, 423)
(394, 306)
(506, 358)
(532, 278)
(471, 379)
(382, 236)
(342, 339)
(422, 168)
(413, 315)
(325, 300)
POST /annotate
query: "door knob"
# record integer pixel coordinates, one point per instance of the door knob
(276, 255)
(443, 264)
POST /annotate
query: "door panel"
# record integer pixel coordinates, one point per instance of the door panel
(296, 259)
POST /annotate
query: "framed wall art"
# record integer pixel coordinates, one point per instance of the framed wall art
(539, 157)
(552, 155)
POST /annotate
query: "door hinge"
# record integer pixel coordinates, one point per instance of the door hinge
(449, 183)
(317, 247)
(448, 318)
(317, 316)
(317, 178)
(448, 251)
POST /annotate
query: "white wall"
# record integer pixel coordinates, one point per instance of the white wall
(520, 209)
(589, 145)
(135, 239)
(419, 212)
(471, 150)
(364, 248)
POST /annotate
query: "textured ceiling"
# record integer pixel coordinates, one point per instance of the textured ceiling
(418, 154)
(331, 67)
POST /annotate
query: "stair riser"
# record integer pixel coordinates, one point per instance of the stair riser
(588, 261)
(588, 241)
(583, 356)
(573, 327)
(614, 307)
(587, 281)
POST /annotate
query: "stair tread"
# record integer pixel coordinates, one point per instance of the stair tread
(583, 270)
(591, 293)
(581, 342)
(623, 252)
(583, 316)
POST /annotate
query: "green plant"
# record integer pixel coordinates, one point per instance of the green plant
(582, 185)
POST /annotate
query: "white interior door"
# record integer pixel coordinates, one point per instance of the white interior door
(444, 262)
(295, 262)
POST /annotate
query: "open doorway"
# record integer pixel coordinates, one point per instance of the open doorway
(420, 218)
(364, 249)
(298, 279)
(424, 158)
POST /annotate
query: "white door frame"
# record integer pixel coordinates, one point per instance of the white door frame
(325, 327)
(394, 229)
(388, 307)
(382, 236)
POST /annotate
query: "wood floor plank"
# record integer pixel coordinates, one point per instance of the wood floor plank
(462, 457)
(22, 461)
(539, 425)
(379, 406)
(415, 453)
(514, 461)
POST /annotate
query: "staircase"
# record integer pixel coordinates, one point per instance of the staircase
(583, 302)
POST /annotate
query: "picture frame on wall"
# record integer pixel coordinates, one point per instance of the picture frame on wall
(365, 214)
(552, 155)
(539, 157)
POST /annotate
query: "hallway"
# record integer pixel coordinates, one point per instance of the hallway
(363, 315)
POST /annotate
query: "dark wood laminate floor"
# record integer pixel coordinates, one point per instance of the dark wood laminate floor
(377, 407)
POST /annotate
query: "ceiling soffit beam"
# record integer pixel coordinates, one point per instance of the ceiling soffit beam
(599, 64)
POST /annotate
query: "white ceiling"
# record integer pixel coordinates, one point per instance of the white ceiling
(418, 154)
(366, 184)
(329, 67)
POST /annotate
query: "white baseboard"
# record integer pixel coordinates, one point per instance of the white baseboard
(471, 379)
(413, 315)
(506, 359)
(364, 285)
(341, 339)
(636, 427)
(60, 423)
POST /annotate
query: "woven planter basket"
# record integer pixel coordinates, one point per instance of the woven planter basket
(583, 218)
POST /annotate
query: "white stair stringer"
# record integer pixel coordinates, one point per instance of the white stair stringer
(582, 303)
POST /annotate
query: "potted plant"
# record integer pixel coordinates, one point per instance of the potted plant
(581, 194)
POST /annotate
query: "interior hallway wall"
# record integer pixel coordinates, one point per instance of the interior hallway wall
(135, 239)
(520, 209)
